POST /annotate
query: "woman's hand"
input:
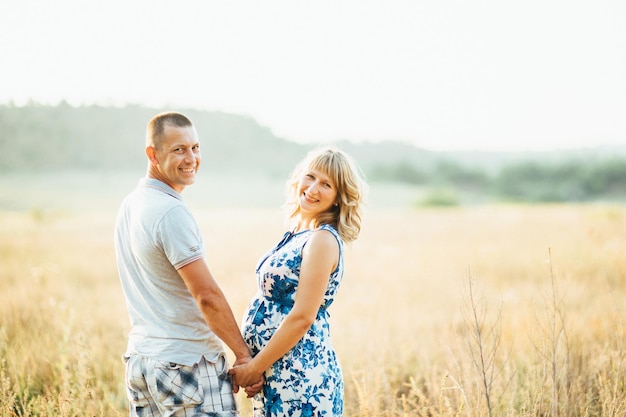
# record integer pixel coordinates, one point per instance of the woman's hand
(252, 390)
(247, 376)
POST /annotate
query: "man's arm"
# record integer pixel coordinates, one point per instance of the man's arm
(215, 308)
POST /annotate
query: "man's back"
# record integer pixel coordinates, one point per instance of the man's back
(156, 235)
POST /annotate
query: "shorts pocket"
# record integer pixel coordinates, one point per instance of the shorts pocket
(136, 388)
(177, 385)
(221, 367)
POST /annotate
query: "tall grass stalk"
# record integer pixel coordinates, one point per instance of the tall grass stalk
(483, 340)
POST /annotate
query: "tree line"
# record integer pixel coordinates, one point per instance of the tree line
(39, 138)
(571, 180)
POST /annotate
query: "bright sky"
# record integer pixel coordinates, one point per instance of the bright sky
(442, 74)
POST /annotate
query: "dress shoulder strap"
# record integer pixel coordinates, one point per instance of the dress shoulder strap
(334, 232)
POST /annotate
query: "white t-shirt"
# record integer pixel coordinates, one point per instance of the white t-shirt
(155, 235)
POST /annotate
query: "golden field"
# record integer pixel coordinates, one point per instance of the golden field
(497, 310)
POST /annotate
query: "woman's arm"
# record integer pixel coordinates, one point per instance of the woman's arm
(319, 259)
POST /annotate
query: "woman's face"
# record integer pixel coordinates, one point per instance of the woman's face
(316, 193)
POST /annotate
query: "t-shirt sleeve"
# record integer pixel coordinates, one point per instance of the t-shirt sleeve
(181, 237)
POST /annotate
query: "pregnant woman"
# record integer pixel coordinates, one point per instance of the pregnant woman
(286, 323)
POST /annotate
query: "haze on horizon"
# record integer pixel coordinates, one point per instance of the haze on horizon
(454, 75)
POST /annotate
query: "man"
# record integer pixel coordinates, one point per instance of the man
(175, 359)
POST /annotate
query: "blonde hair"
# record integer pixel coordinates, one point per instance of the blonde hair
(345, 217)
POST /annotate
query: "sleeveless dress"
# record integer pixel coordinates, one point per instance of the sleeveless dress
(307, 381)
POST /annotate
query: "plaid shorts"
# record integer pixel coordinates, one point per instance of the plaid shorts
(157, 388)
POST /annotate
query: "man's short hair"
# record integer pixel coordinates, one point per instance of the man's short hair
(156, 126)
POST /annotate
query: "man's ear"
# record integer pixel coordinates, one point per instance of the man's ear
(151, 153)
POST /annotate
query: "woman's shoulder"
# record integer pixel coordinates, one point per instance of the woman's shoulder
(332, 229)
(327, 234)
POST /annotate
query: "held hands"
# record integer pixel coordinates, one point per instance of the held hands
(243, 374)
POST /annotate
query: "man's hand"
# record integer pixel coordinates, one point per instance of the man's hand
(238, 361)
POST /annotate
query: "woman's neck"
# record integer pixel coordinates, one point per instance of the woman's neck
(302, 224)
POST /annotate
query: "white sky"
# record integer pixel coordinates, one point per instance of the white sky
(490, 75)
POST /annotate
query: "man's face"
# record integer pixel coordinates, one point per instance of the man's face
(178, 157)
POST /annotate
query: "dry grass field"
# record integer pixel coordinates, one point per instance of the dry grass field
(499, 310)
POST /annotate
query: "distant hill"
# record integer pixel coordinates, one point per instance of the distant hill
(39, 139)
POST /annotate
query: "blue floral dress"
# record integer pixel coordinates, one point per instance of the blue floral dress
(307, 381)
